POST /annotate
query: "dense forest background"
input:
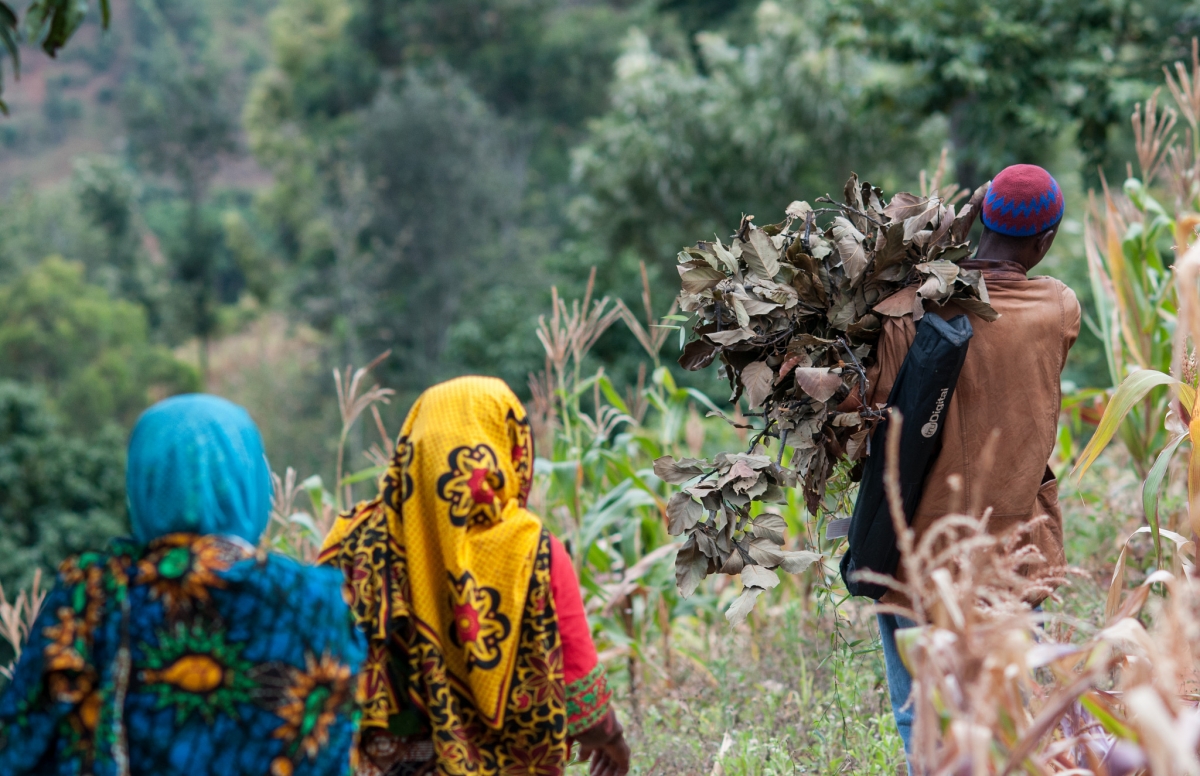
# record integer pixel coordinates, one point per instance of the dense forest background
(239, 195)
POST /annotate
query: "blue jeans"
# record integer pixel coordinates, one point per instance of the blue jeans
(899, 680)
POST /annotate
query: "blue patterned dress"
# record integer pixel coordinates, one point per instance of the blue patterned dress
(192, 655)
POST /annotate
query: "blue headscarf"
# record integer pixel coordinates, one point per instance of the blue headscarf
(196, 465)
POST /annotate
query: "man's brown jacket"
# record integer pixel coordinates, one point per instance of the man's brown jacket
(1010, 381)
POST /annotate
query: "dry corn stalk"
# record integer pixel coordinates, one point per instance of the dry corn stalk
(17, 618)
(653, 336)
(352, 402)
(995, 693)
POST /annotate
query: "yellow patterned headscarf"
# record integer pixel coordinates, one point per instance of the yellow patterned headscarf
(448, 547)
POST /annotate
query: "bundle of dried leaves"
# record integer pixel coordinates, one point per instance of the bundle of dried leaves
(792, 312)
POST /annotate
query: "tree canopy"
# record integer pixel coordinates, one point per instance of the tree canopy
(89, 352)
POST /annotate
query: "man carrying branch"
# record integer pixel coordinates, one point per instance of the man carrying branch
(1001, 423)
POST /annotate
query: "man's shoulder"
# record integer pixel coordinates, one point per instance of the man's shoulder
(1057, 285)
(1058, 290)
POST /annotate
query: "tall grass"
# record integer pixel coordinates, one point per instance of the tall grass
(17, 618)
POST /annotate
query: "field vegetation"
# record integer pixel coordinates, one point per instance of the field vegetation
(250, 197)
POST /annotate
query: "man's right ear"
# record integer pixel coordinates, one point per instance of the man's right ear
(1046, 239)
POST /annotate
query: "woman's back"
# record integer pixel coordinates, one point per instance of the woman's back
(192, 655)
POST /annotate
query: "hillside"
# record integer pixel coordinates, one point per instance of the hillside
(67, 107)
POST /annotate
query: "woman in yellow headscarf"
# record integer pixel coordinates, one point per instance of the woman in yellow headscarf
(480, 658)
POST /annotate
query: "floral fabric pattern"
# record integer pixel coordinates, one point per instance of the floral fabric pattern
(192, 655)
(479, 625)
(452, 585)
(471, 484)
(520, 440)
(588, 700)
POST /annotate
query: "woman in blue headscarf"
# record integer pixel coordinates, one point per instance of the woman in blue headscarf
(185, 650)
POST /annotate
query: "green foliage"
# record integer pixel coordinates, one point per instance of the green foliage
(544, 60)
(771, 700)
(88, 351)
(106, 193)
(432, 154)
(59, 494)
(327, 73)
(1130, 251)
(688, 147)
(1010, 77)
(178, 110)
(377, 217)
(49, 23)
(181, 119)
(35, 224)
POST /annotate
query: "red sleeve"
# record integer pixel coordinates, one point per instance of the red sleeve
(587, 690)
(579, 653)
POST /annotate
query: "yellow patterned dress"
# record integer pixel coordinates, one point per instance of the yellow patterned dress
(450, 578)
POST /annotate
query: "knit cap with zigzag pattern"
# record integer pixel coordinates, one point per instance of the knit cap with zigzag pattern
(1023, 200)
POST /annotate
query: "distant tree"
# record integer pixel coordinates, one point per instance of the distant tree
(447, 189)
(688, 146)
(88, 351)
(107, 194)
(36, 222)
(181, 119)
(395, 197)
(59, 493)
(1011, 77)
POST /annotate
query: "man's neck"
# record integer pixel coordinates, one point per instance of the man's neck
(993, 266)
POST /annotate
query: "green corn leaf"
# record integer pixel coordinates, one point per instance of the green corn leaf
(584, 386)
(316, 491)
(1150, 490)
(1132, 390)
(371, 473)
(1110, 723)
(610, 393)
(662, 376)
(699, 396)
(305, 521)
(1187, 396)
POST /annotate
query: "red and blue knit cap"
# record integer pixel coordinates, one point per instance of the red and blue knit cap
(1023, 200)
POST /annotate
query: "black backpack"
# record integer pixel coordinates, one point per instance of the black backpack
(921, 394)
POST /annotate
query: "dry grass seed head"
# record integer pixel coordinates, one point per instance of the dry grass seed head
(1185, 87)
(1152, 136)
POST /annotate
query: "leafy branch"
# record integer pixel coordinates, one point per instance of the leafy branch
(792, 313)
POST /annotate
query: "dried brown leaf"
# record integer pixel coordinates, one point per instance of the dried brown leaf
(759, 380)
(760, 254)
(757, 576)
(798, 561)
(683, 514)
(700, 279)
(769, 525)
(690, 567)
(730, 336)
(678, 472)
(697, 354)
(819, 383)
(742, 605)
